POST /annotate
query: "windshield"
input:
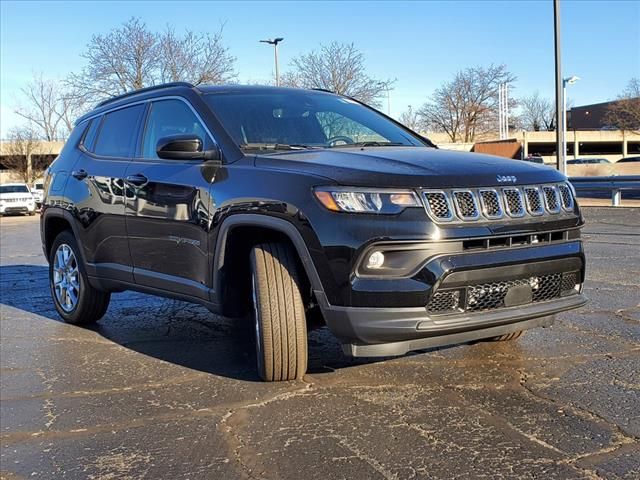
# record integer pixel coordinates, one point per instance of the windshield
(14, 189)
(292, 120)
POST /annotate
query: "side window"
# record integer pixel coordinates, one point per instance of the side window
(90, 135)
(336, 125)
(117, 136)
(170, 117)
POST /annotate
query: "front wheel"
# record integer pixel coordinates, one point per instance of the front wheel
(76, 301)
(280, 322)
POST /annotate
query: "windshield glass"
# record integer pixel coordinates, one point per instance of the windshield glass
(292, 120)
(14, 189)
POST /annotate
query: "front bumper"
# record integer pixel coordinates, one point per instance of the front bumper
(383, 331)
(8, 209)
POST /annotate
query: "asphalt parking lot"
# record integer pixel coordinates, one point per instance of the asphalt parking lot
(164, 389)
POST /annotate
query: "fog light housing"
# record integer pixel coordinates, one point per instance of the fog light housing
(375, 260)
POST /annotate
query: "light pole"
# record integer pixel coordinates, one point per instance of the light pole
(565, 81)
(275, 42)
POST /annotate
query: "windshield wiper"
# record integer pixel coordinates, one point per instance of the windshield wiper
(372, 144)
(275, 146)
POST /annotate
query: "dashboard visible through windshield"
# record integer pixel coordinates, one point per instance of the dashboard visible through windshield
(304, 120)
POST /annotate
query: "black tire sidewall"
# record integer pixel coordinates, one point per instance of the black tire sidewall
(257, 320)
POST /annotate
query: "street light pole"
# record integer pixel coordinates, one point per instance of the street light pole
(559, 118)
(565, 81)
(275, 42)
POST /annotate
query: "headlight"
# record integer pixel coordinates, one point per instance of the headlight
(366, 200)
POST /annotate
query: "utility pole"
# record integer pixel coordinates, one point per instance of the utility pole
(560, 126)
(275, 42)
(567, 81)
(503, 110)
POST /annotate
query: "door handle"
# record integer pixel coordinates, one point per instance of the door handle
(138, 180)
(79, 174)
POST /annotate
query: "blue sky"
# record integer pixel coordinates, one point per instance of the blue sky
(421, 44)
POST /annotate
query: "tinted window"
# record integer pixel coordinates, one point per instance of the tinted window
(118, 132)
(170, 117)
(14, 189)
(302, 118)
(90, 135)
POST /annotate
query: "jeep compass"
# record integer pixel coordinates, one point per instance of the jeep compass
(286, 205)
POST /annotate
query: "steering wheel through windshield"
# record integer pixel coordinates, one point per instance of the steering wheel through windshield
(339, 138)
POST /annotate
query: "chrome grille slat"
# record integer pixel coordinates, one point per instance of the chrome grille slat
(534, 201)
(566, 196)
(466, 205)
(438, 204)
(491, 204)
(513, 202)
(551, 198)
(495, 203)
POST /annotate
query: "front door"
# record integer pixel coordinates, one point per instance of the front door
(168, 210)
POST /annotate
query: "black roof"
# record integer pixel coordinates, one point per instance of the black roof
(149, 92)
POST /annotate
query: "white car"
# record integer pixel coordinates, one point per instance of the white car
(16, 198)
(38, 192)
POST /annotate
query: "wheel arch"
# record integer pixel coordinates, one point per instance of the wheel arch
(54, 222)
(255, 229)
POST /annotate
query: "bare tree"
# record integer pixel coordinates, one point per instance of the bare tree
(21, 146)
(337, 67)
(124, 59)
(467, 105)
(625, 112)
(41, 97)
(195, 57)
(411, 119)
(132, 57)
(70, 106)
(50, 107)
(537, 113)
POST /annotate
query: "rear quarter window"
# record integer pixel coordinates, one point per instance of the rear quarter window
(90, 135)
(118, 133)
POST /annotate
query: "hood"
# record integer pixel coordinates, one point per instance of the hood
(411, 167)
(16, 195)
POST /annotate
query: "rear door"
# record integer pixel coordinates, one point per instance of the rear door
(97, 190)
(168, 214)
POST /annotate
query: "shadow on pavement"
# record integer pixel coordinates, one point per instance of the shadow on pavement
(173, 331)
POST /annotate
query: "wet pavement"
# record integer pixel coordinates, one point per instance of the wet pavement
(164, 389)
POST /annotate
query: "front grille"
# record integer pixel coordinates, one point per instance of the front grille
(491, 295)
(482, 204)
(513, 199)
(534, 201)
(466, 205)
(566, 197)
(569, 282)
(551, 198)
(491, 206)
(438, 205)
(445, 301)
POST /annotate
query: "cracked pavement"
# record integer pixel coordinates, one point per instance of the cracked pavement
(164, 389)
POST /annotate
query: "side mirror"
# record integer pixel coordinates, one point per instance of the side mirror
(185, 147)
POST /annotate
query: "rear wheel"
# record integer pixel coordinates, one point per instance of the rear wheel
(76, 301)
(507, 337)
(280, 322)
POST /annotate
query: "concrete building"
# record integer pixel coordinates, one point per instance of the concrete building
(43, 154)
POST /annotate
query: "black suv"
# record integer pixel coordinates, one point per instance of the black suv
(290, 204)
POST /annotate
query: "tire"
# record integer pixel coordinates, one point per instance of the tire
(507, 337)
(31, 214)
(279, 317)
(90, 304)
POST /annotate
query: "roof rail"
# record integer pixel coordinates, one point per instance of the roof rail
(323, 90)
(144, 90)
